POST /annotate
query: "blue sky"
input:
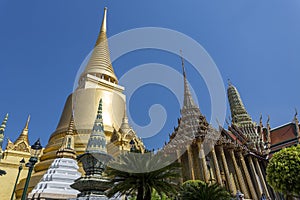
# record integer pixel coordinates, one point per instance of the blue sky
(42, 44)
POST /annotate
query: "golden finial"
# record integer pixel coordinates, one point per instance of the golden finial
(27, 122)
(103, 26)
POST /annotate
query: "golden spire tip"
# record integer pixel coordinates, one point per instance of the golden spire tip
(103, 26)
(27, 122)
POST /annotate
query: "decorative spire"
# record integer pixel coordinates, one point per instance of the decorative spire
(125, 125)
(260, 119)
(296, 114)
(3, 125)
(229, 82)
(103, 26)
(296, 121)
(99, 63)
(97, 140)
(67, 149)
(188, 101)
(24, 134)
(239, 114)
(2, 129)
(268, 134)
(261, 132)
(268, 120)
(94, 161)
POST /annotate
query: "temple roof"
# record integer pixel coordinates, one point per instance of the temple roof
(284, 136)
(100, 63)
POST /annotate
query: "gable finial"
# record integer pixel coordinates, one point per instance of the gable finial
(268, 120)
(296, 113)
(260, 118)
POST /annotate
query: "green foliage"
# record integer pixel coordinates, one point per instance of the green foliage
(139, 175)
(155, 196)
(283, 171)
(198, 190)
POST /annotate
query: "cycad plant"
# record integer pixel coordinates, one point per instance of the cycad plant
(198, 190)
(139, 175)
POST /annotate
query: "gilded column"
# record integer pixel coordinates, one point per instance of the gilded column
(239, 174)
(196, 162)
(224, 161)
(178, 155)
(252, 168)
(191, 164)
(203, 161)
(248, 178)
(216, 165)
(261, 178)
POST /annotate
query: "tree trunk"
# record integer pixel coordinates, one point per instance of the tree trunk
(140, 193)
(289, 197)
(148, 194)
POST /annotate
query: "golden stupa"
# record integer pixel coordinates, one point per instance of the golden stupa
(98, 80)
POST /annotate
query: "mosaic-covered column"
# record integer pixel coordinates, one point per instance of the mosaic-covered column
(239, 174)
(264, 185)
(248, 178)
(203, 161)
(191, 164)
(224, 161)
(216, 165)
(253, 170)
(180, 162)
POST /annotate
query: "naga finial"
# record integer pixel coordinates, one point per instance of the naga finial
(296, 113)
(268, 119)
(260, 118)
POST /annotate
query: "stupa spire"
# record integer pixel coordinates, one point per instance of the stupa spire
(24, 134)
(239, 113)
(188, 101)
(2, 129)
(93, 185)
(100, 64)
(3, 124)
(67, 149)
(125, 125)
(97, 141)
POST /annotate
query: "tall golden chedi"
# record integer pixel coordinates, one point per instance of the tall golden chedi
(97, 81)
